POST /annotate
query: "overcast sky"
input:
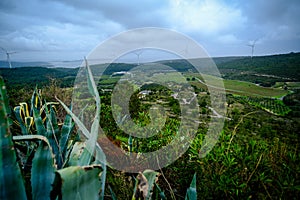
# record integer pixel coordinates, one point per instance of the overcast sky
(53, 30)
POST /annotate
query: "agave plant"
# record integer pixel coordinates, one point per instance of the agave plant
(52, 176)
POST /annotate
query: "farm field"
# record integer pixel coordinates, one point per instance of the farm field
(231, 86)
(241, 87)
(251, 89)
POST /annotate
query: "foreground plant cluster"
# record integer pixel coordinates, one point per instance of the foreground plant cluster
(45, 156)
(53, 163)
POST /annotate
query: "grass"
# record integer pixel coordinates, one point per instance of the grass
(239, 87)
(231, 86)
(250, 89)
(292, 85)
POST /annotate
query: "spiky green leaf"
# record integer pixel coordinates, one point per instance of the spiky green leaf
(91, 141)
(74, 158)
(39, 125)
(66, 131)
(113, 195)
(191, 193)
(11, 181)
(77, 182)
(36, 101)
(161, 193)
(17, 112)
(144, 185)
(101, 159)
(42, 172)
(53, 133)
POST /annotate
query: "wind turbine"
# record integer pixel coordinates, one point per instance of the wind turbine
(252, 45)
(8, 56)
(138, 55)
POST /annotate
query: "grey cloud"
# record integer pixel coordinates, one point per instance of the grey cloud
(271, 16)
(275, 11)
(130, 14)
(65, 25)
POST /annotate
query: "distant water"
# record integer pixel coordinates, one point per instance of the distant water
(4, 64)
(52, 64)
(65, 64)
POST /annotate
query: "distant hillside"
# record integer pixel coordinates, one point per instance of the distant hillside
(4, 64)
(264, 70)
(30, 76)
(204, 64)
(285, 67)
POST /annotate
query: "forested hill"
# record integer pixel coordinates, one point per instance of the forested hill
(265, 70)
(286, 66)
(32, 76)
(283, 65)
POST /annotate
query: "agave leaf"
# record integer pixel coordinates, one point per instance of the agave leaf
(130, 143)
(53, 133)
(91, 142)
(91, 82)
(31, 138)
(113, 195)
(24, 109)
(84, 159)
(46, 105)
(152, 177)
(54, 122)
(39, 125)
(161, 193)
(90, 148)
(101, 159)
(28, 122)
(77, 151)
(144, 184)
(191, 193)
(17, 112)
(77, 182)
(36, 101)
(66, 131)
(74, 159)
(25, 121)
(11, 180)
(43, 167)
(77, 121)
(42, 172)
(88, 152)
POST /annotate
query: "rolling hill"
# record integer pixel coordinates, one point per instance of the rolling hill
(263, 70)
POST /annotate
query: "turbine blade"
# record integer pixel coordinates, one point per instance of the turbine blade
(3, 49)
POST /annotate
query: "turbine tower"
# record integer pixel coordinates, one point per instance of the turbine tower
(252, 45)
(8, 56)
(138, 55)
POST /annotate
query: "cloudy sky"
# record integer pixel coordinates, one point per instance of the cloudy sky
(54, 30)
